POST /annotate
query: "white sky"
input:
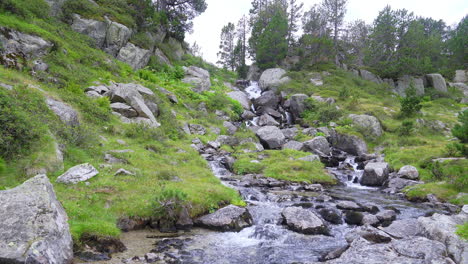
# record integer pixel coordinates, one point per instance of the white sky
(207, 27)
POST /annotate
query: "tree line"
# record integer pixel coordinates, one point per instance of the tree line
(397, 42)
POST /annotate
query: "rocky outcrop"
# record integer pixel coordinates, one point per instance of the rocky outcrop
(161, 58)
(229, 218)
(78, 173)
(348, 143)
(297, 105)
(318, 145)
(271, 79)
(55, 6)
(34, 225)
(268, 99)
(242, 98)
(303, 221)
(370, 125)
(271, 137)
(375, 174)
(117, 35)
(406, 81)
(198, 77)
(437, 81)
(17, 48)
(92, 28)
(65, 112)
(369, 76)
(134, 56)
(176, 48)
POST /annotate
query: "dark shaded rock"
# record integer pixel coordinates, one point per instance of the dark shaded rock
(331, 215)
(353, 217)
(369, 233)
(348, 143)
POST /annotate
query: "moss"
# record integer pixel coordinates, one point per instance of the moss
(442, 190)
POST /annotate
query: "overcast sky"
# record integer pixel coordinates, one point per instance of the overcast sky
(207, 27)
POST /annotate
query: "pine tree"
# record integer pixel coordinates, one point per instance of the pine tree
(335, 11)
(226, 54)
(240, 50)
(295, 13)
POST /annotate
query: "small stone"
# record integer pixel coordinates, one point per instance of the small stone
(123, 172)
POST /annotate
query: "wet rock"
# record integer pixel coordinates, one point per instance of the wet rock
(422, 248)
(348, 205)
(248, 115)
(295, 145)
(318, 145)
(404, 228)
(229, 218)
(437, 81)
(397, 184)
(442, 228)
(371, 220)
(408, 172)
(184, 221)
(198, 77)
(271, 79)
(66, 113)
(348, 143)
(151, 257)
(353, 217)
(375, 174)
(34, 225)
(267, 120)
(331, 215)
(103, 244)
(370, 124)
(370, 208)
(134, 56)
(90, 256)
(334, 254)
(78, 173)
(386, 217)
(303, 221)
(271, 137)
(369, 233)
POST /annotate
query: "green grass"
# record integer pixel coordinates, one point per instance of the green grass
(462, 231)
(283, 165)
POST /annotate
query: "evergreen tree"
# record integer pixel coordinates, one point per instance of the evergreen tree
(356, 39)
(295, 13)
(226, 54)
(458, 45)
(240, 50)
(335, 11)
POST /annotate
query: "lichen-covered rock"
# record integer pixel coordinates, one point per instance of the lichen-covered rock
(66, 113)
(268, 99)
(34, 225)
(198, 77)
(271, 137)
(161, 58)
(267, 120)
(134, 56)
(92, 28)
(78, 173)
(303, 221)
(229, 218)
(271, 79)
(318, 145)
(437, 81)
(375, 174)
(406, 81)
(461, 76)
(367, 123)
(117, 36)
(404, 228)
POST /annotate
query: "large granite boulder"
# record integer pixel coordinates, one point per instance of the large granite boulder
(369, 76)
(271, 79)
(17, 47)
(295, 145)
(397, 184)
(161, 58)
(78, 173)
(318, 145)
(34, 225)
(267, 120)
(242, 98)
(303, 221)
(229, 218)
(268, 99)
(92, 28)
(134, 56)
(297, 105)
(406, 81)
(408, 172)
(370, 125)
(437, 81)
(352, 144)
(66, 113)
(198, 77)
(404, 228)
(271, 137)
(117, 36)
(375, 174)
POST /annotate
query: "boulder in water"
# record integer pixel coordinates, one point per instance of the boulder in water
(331, 215)
(34, 225)
(375, 174)
(404, 228)
(229, 218)
(303, 221)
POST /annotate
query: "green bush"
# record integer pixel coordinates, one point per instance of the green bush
(168, 204)
(406, 128)
(411, 104)
(461, 130)
(320, 113)
(25, 8)
(2, 166)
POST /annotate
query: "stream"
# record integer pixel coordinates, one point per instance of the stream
(268, 240)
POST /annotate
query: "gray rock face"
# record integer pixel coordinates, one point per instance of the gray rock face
(404, 228)
(375, 174)
(79, 173)
(408, 172)
(161, 57)
(437, 81)
(124, 110)
(295, 145)
(349, 143)
(297, 104)
(231, 128)
(267, 120)
(271, 79)
(55, 6)
(65, 112)
(34, 225)
(390, 83)
(461, 76)
(422, 248)
(134, 56)
(404, 83)
(397, 184)
(198, 77)
(267, 100)
(18, 47)
(369, 233)
(271, 137)
(370, 124)
(369, 76)
(242, 98)
(117, 35)
(318, 145)
(229, 218)
(303, 221)
(290, 133)
(92, 28)
(178, 50)
(442, 228)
